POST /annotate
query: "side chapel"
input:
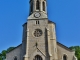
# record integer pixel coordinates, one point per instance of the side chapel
(39, 38)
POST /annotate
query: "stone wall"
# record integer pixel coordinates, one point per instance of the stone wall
(14, 53)
(63, 50)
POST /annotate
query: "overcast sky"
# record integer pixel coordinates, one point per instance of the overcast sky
(14, 13)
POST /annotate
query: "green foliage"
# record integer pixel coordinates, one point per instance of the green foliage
(0, 54)
(10, 49)
(77, 51)
(3, 53)
(0, 58)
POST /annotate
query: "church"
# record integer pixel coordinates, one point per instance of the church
(39, 38)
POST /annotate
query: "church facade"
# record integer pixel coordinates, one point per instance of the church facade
(39, 38)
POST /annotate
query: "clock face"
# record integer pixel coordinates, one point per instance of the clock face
(37, 32)
(37, 15)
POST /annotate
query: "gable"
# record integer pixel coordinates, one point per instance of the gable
(65, 47)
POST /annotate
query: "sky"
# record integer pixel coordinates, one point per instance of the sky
(14, 13)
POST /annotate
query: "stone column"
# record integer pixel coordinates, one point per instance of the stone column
(26, 57)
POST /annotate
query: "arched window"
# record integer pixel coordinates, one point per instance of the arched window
(31, 7)
(37, 57)
(43, 6)
(37, 22)
(64, 57)
(15, 58)
(37, 5)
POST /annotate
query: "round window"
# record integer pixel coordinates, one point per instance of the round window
(37, 32)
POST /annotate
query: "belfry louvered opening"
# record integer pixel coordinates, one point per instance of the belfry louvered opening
(37, 5)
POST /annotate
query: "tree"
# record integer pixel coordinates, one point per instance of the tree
(3, 53)
(0, 58)
(0, 54)
(10, 49)
(77, 51)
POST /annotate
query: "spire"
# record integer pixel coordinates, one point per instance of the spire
(38, 5)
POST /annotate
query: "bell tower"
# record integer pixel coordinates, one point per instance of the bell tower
(38, 9)
(38, 5)
(39, 39)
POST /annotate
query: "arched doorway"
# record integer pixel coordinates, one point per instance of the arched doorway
(37, 57)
